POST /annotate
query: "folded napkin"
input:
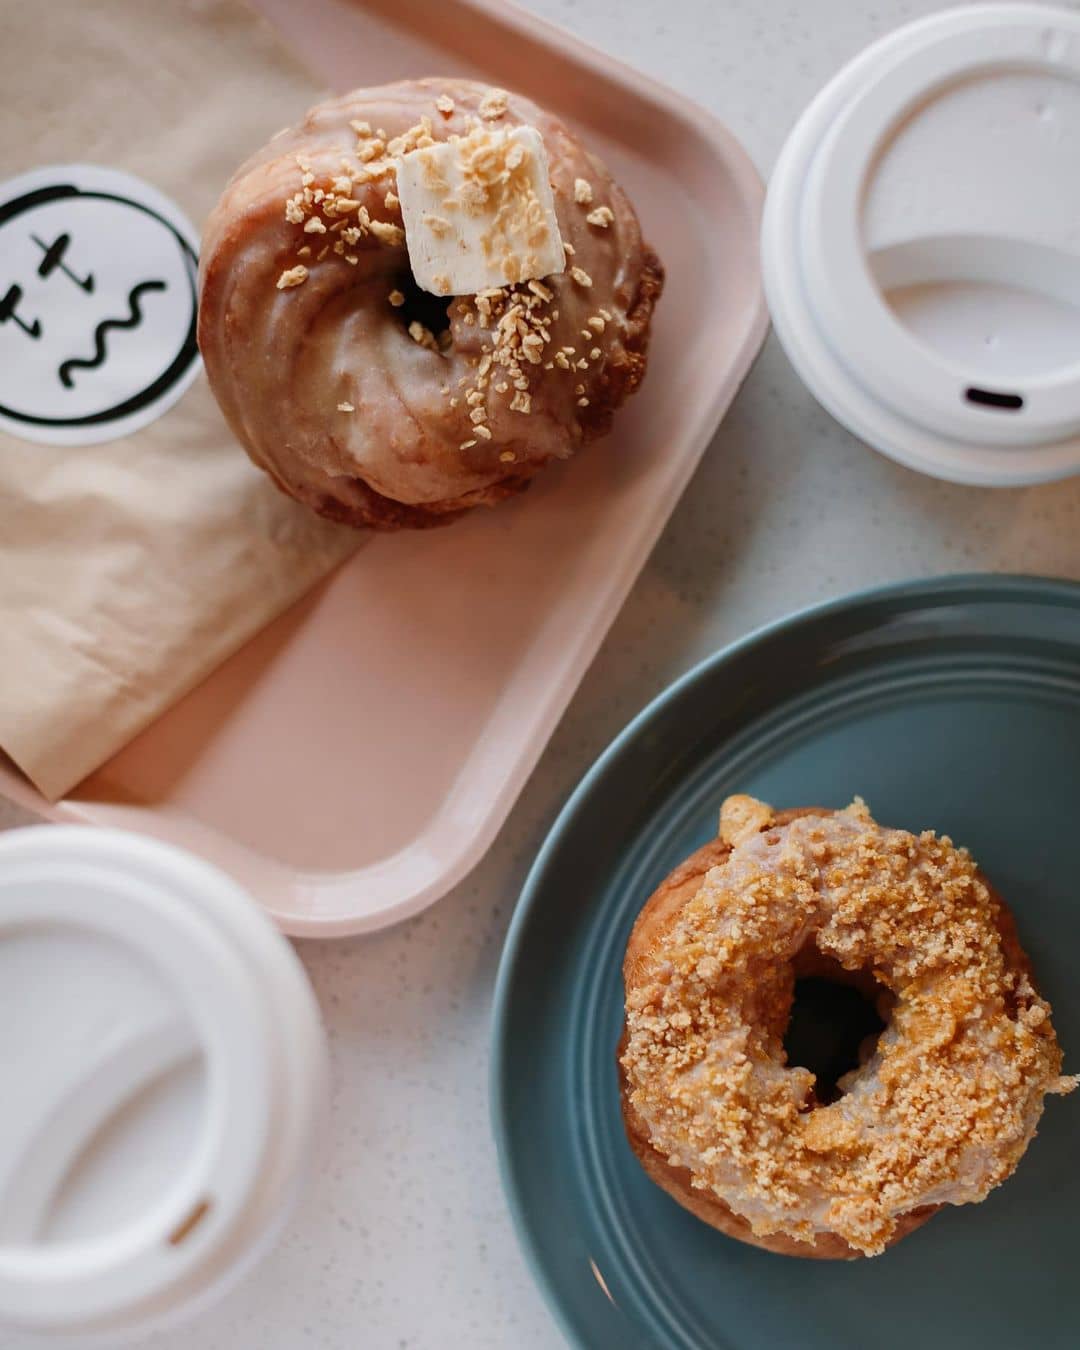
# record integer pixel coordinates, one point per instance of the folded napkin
(138, 547)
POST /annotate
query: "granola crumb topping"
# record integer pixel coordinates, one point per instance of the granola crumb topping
(386, 233)
(292, 276)
(493, 105)
(423, 336)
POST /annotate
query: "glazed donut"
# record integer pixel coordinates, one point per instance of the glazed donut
(372, 401)
(946, 1103)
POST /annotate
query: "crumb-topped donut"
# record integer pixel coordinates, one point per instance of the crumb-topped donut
(376, 402)
(940, 1113)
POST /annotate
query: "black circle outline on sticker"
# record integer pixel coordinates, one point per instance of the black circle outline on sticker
(189, 349)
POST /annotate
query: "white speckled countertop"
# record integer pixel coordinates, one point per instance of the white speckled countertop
(403, 1240)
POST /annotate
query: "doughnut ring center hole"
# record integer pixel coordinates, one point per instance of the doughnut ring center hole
(420, 306)
(835, 1020)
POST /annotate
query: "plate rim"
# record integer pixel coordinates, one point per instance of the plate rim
(1011, 587)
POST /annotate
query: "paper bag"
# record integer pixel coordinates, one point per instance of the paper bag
(138, 546)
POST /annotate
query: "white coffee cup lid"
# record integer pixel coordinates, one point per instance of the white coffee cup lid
(164, 1071)
(921, 245)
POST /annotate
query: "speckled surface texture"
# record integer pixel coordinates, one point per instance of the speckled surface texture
(403, 1240)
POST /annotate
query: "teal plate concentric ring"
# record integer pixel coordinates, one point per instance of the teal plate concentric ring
(952, 704)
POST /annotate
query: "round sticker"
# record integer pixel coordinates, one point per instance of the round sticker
(98, 304)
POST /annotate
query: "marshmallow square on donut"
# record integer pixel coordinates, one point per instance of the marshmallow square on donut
(478, 211)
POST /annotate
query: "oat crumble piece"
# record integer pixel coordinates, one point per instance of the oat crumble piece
(386, 233)
(292, 276)
(493, 105)
(373, 149)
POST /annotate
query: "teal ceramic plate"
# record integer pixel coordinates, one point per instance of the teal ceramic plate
(953, 704)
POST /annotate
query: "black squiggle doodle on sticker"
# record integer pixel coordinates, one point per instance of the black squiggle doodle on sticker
(132, 321)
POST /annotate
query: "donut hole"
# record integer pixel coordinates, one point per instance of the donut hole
(834, 1024)
(419, 306)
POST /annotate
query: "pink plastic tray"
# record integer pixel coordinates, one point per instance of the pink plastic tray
(357, 758)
